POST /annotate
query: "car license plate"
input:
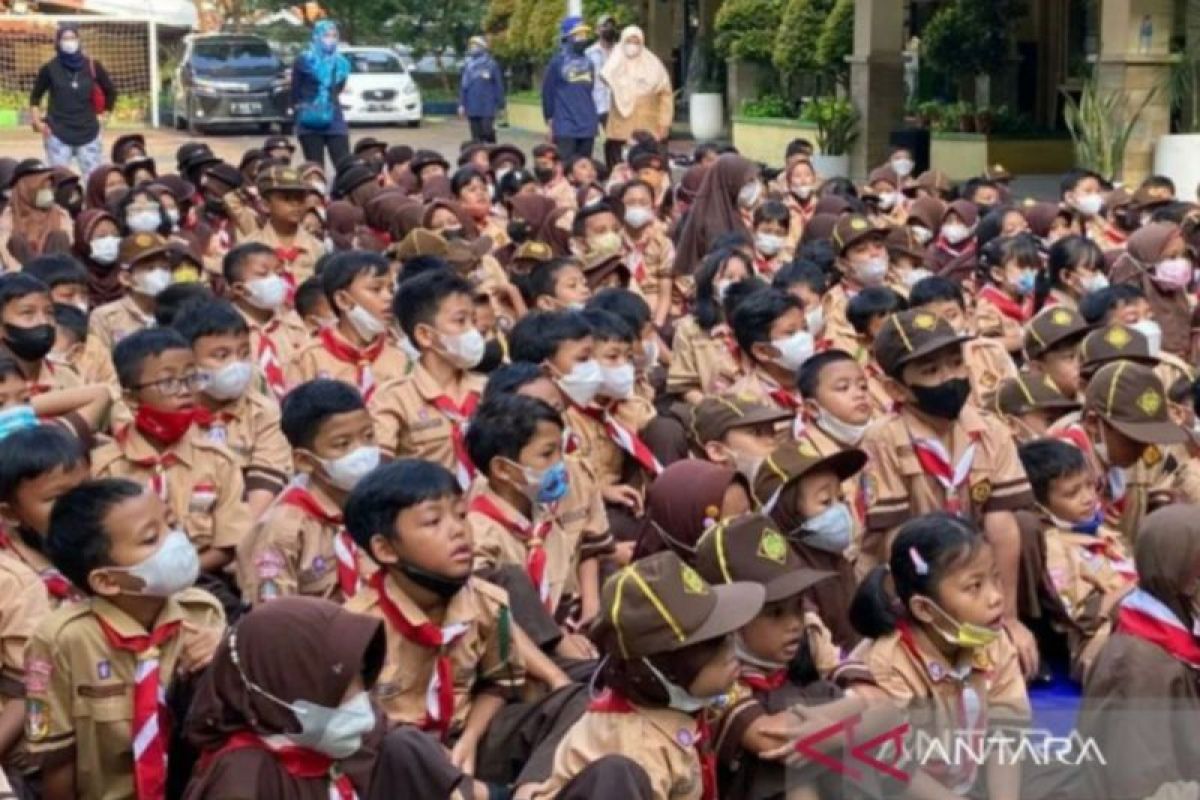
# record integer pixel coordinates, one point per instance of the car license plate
(380, 107)
(246, 108)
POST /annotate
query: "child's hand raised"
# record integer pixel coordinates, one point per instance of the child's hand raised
(199, 645)
(623, 495)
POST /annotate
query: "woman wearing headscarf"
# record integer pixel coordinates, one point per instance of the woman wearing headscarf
(283, 711)
(688, 498)
(33, 224)
(80, 91)
(318, 77)
(1156, 260)
(724, 204)
(641, 92)
(97, 244)
(344, 221)
(104, 179)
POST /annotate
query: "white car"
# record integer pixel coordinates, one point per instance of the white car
(379, 90)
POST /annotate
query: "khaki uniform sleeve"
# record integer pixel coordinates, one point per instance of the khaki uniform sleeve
(269, 558)
(733, 720)
(887, 498)
(301, 367)
(388, 415)
(635, 413)
(231, 515)
(487, 552)
(889, 668)
(683, 374)
(1010, 488)
(271, 460)
(245, 221)
(501, 664)
(1008, 700)
(49, 691)
(25, 606)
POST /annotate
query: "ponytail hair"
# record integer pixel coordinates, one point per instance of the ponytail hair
(925, 551)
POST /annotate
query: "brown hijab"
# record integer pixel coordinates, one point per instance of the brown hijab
(690, 183)
(343, 219)
(38, 230)
(531, 208)
(683, 502)
(715, 211)
(407, 220)
(93, 196)
(470, 229)
(1167, 554)
(104, 280)
(296, 648)
(556, 231)
(436, 188)
(1135, 266)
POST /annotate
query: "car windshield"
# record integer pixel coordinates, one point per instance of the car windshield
(374, 63)
(231, 58)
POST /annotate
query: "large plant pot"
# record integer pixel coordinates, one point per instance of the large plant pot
(707, 116)
(832, 166)
(1175, 157)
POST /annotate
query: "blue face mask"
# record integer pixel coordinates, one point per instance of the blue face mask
(553, 484)
(1090, 525)
(329, 43)
(1025, 283)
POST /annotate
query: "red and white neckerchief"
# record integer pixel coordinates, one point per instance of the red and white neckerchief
(361, 357)
(935, 461)
(439, 695)
(636, 260)
(344, 550)
(1013, 309)
(216, 423)
(624, 438)
(765, 683)
(268, 359)
(149, 707)
(1145, 617)
(158, 466)
(299, 762)
(458, 414)
(1120, 563)
(788, 400)
(533, 537)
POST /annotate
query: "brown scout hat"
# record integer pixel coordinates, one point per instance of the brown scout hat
(420, 242)
(464, 256)
(1052, 327)
(1131, 398)
(1112, 343)
(597, 269)
(909, 335)
(902, 241)
(1031, 391)
(884, 175)
(751, 548)
(713, 417)
(795, 459)
(659, 604)
(509, 153)
(934, 181)
(852, 229)
(278, 178)
(998, 173)
(140, 246)
(529, 255)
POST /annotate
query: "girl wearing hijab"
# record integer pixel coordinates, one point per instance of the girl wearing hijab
(104, 179)
(641, 90)
(1156, 261)
(688, 498)
(79, 90)
(33, 224)
(724, 204)
(283, 711)
(97, 244)
(318, 77)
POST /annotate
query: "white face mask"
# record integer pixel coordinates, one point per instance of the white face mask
(746, 466)
(69, 46)
(748, 195)
(1153, 333)
(803, 191)
(365, 323)
(1094, 282)
(144, 221)
(679, 698)
(230, 381)
(347, 471)
(409, 349)
(632, 50)
(43, 199)
(830, 530)
(888, 200)
(638, 217)
(151, 282)
(794, 350)
(464, 349)
(649, 353)
(105, 249)
(583, 382)
(721, 288)
(955, 232)
(915, 276)
(173, 567)
(814, 319)
(267, 293)
(872, 271)
(768, 243)
(921, 233)
(844, 432)
(903, 166)
(1088, 204)
(618, 381)
(173, 217)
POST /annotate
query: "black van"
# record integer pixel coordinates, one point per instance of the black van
(231, 79)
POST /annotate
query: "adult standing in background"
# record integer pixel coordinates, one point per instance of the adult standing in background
(79, 91)
(567, 104)
(642, 98)
(598, 54)
(318, 77)
(481, 92)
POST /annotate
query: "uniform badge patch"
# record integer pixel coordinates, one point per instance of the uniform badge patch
(36, 724)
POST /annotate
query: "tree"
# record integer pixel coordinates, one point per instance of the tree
(970, 37)
(746, 29)
(794, 48)
(497, 26)
(836, 41)
(436, 28)
(360, 21)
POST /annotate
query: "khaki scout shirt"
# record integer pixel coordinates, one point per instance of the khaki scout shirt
(79, 689)
(897, 488)
(651, 258)
(755, 384)
(484, 655)
(26, 604)
(32, 560)
(660, 740)
(284, 329)
(838, 331)
(593, 444)
(408, 424)
(563, 193)
(249, 428)
(308, 250)
(315, 361)
(203, 484)
(107, 325)
(581, 513)
(702, 361)
(988, 363)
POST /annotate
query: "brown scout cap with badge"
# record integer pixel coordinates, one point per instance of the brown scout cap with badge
(420, 242)
(1052, 327)
(1131, 398)
(902, 241)
(141, 246)
(751, 548)
(1114, 342)
(795, 459)
(597, 269)
(529, 255)
(909, 335)
(713, 417)
(998, 173)
(852, 229)
(659, 604)
(278, 178)
(1031, 391)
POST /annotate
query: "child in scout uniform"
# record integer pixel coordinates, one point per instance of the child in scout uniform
(667, 634)
(424, 414)
(70, 337)
(735, 432)
(198, 479)
(771, 334)
(259, 293)
(1005, 302)
(97, 672)
(357, 350)
(651, 255)
(230, 410)
(862, 260)
(936, 452)
(771, 222)
(1087, 564)
(27, 317)
(284, 192)
(939, 650)
(66, 277)
(1030, 404)
(300, 545)
(312, 307)
(1052, 339)
(866, 311)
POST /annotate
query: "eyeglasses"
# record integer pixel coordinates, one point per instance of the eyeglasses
(175, 385)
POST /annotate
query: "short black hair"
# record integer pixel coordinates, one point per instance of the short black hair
(504, 425)
(77, 541)
(15, 285)
(308, 294)
(935, 289)
(542, 279)
(626, 304)
(72, 320)
(608, 327)
(418, 300)
(130, 354)
(464, 175)
(235, 259)
(1152, 182)
(419, 265)
(754, 316)
(344, 267)
(509, 378)
(798, 147)
(773, 211)
(171, 302)
(32, 452)
(56, 269)
(1071, 180)
(579, 225)
(214, 317)
(308, 405)
(1095, 306)
(379, 497)
(1047, 460)
(801, 273)
(808, 378)
(872, 302)
(537, 335)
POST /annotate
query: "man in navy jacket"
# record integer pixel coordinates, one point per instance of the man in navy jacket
(567, 102)
(481, 93)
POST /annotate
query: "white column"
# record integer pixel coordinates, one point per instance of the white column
(154, 77)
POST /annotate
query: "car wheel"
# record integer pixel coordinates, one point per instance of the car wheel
(193, 127)
(416, 123)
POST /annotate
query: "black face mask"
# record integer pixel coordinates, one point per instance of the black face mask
(519, 231)
(29, 344)
(579, 48)
(945, 400)
(984, 209)
(543, 174)
(440, 585)
(609, 35)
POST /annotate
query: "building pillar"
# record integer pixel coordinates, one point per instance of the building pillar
(876, 79)
(1136, 64)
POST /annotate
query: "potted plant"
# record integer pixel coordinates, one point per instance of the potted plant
(837, 130)
(984, 120)
(1101, 127)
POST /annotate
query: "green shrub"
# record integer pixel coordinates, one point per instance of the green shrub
(768, 106)
(837, 124)
(836, 41)
(746, 29)
(795, 46)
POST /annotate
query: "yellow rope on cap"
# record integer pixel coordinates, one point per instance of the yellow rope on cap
(630, 572)
(721, 561)
(1112, 387)
(900, 330)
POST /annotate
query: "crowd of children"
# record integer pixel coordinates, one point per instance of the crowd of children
(525, 477)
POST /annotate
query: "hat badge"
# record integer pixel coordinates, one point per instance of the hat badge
(1117, 337)
(859, 224)
(1149, 402)
(692, 582)
(925, 322)
(807, 449)
(1062, 317)
(144, 240)
(772, 546)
